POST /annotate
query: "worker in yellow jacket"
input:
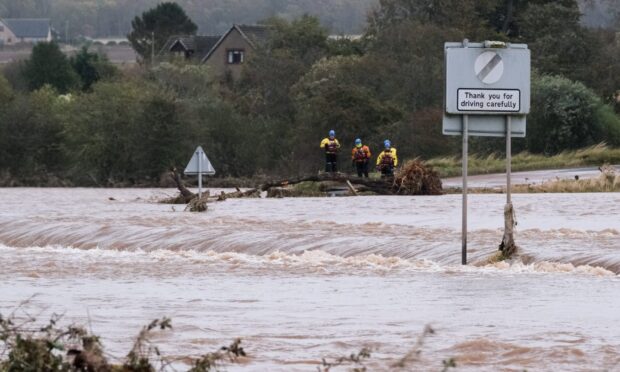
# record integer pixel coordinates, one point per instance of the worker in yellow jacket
(331, 146)
(387, 160)
(360, 156)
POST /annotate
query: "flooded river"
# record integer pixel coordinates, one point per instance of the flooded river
(303, 279)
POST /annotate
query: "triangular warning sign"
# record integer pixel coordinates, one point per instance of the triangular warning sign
(199, 163)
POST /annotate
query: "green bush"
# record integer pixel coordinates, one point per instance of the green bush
(609, 123)
(565, 115)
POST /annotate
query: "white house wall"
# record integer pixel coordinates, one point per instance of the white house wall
(6, 35)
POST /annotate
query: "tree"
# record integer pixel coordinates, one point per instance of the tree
(48, 65)
(162, 135)
(102, 135)
(567, 115)
(6, 99)
(559, 44)
(33, 131)
(91, 67)
(289, 53)
(469, 16)
(330, 96)
(157, 25)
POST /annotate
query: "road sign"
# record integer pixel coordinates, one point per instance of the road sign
(487, 81)
(495, 100)
(483, 125)
(199, 163)
(487, 94)
(489, 67)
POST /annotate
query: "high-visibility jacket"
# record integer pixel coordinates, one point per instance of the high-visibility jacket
(388, 157)
(330, 146)
(360, 154)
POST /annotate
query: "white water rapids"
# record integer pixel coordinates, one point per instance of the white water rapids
(300, 279)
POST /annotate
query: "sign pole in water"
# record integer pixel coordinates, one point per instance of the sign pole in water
(198, 165)
(487, 94)
(199, 176)
(508, 157)
(465, 161)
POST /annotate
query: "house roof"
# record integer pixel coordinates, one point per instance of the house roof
(257, 34)
(199, 45)
(254, 34)
(28, 27)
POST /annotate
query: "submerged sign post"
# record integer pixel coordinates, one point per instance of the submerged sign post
(487, 94)
(199, 164)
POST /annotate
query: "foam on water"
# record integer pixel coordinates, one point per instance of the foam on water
(302, 279)
(308, 261)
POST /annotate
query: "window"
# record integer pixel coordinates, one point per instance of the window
(235, 56)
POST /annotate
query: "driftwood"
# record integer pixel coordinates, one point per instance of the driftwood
(251, 193)
(191, 199)
(383, 186)
(415, 178)
(186, 195)
(508, 246)
(198, 204)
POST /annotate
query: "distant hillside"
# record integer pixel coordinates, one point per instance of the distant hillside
(600, 13)
(96, 18)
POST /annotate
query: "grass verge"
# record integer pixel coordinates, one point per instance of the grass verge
(606, 182)
(494, 163)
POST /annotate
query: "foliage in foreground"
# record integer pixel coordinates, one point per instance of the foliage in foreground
(26, 347)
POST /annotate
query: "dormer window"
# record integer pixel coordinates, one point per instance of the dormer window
(235, 56)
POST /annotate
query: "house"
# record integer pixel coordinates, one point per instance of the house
(24, 30)
(190, 48)
(234, 48)
(225, 54)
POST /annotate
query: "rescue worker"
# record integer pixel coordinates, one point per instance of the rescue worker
(331, 147)
(387, 160)
(360, 156)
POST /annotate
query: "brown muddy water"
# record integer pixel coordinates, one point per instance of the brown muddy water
(306, 278)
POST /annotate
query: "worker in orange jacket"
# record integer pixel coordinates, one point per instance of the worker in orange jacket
(387, 160)
(360, 156)
(331, 147)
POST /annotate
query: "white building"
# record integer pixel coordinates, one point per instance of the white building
(24, 30)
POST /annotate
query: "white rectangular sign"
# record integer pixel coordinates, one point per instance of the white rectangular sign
(489, 100)
(476, 66)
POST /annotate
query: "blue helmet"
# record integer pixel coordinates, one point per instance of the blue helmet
(332, 133)
(387, 144)
(358, 141)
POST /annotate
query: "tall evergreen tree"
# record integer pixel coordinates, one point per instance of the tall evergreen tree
(91, 67)
(155, 26)
(48, 65)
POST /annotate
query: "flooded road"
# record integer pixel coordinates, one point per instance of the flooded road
(302, 279)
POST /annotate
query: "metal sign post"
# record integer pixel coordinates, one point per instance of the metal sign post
(487, 94)
(199, 164)
(508, 157)
(464, 161)
(199, 174)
